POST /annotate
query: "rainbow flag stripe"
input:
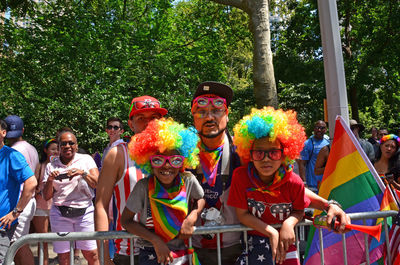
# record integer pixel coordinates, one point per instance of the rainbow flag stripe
(168, 207)
(350, 179)
(209, 160)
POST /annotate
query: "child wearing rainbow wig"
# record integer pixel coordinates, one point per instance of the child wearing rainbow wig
(266, 190)
(168, 202)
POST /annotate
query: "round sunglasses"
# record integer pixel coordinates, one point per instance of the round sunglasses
(158, 161)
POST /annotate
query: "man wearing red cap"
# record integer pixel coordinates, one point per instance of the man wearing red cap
(119, 175)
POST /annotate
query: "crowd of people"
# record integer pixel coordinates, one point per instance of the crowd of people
(168, 179)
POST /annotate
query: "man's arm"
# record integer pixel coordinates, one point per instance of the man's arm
(109, 175)
(333, 210)
(322, 157)
(26, 195)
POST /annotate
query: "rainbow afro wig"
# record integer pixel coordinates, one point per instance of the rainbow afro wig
(163, 135)
(274, 124)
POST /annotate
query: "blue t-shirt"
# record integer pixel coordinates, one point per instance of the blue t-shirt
(14, 170)
(309, 153)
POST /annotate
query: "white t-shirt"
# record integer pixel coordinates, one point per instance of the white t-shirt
(75, 192)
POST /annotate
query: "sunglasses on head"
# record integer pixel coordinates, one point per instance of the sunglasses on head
(68, 142)
(158, 161)
(145, 104)
(115, 127)
(273, 154)
(205, 101)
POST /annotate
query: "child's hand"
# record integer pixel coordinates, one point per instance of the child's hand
(286, 237)
(164, 255)
(273, 241)
(186, 229)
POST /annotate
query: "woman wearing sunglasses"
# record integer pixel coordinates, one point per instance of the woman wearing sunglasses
(69, 180)
(169, 201)
(266, 191)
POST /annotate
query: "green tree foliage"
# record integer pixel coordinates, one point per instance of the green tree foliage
(371, 50)
(78, 63)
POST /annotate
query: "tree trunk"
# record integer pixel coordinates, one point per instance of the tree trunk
(263, 70)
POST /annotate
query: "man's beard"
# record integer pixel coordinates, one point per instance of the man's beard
(212, 135)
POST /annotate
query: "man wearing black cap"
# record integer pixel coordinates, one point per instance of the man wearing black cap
(357, 129)
(14, 170)
(119, 175)
(218, 159)
(15, 140)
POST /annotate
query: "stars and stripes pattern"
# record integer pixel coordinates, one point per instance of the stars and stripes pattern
(259, 253)
(148, 256)
(394, 241)
(122, 189)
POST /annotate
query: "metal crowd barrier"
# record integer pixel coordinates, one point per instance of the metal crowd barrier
(74, 236)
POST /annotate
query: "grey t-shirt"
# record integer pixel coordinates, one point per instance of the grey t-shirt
(138, 202)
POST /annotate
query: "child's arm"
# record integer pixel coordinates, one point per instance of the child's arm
(164, 255)
(190, 220)
(253, 222)
(287, 236)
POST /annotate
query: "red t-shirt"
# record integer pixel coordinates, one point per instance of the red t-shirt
(270, 209)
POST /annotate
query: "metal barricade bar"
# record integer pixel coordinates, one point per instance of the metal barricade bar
(106, 235)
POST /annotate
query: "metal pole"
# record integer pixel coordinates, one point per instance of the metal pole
(335, 82)
(246, 243)
(296, 231)
(366, 244)
(321, 245)
(344, 249)
(71, 252)
(219, 248)
(191, 255)
(389, 257)
(101, 252)
(41, 253)
(132, 249)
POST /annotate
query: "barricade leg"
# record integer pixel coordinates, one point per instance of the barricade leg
(219, 248)
(344, 249)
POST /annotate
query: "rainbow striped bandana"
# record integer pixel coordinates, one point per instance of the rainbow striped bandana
(168, 207)
(271, 188)
(209, 160)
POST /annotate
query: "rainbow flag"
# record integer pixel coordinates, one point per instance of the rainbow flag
(350, 179)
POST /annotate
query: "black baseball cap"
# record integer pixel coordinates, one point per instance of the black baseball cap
(214, 88)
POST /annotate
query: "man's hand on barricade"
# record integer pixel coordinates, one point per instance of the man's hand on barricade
(335, 211)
